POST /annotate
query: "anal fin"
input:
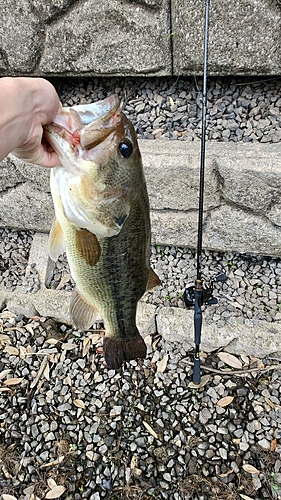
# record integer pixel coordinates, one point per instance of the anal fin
(153, 280)
(87, 246)
(117, 350)
(56, 240)
(82, 314)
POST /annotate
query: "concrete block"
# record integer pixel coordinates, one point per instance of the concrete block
(244, 37)
(85, 37)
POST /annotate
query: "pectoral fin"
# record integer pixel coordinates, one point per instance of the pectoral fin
(153, 280)
(82, 314)
(87, 246)
(56, 241)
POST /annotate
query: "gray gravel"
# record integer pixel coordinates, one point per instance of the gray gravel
(237, 109)
(141, 432)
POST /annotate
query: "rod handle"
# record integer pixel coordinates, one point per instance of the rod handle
(196, 371)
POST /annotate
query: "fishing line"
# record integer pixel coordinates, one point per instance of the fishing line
(198, 294)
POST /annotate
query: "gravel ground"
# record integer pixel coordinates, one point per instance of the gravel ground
(237, 110)
(72, 429)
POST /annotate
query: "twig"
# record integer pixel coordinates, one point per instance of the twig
(237, 372)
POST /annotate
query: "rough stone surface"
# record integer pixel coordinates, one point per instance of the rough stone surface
(244, 37)
(85, 37)
(242, 195)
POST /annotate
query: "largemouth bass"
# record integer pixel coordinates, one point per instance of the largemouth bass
(102, 222)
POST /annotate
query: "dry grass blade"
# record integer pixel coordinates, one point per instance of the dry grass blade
(225, 401)
(40, 371)
(150, 430)
(47, 372)
(162, 365)
(250, 469)
(230, 360)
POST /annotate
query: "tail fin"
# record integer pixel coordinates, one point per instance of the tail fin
(117, 350)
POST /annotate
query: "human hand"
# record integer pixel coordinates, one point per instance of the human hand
(28, 105)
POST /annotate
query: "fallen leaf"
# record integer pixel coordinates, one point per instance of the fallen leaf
(68, 346)
(245, 359)
(29, 329)
(245, 497)
(95, 337)
(86, 346)
(79, 403)
(63, 281)
(162, 365)
(55, 492)
(13, 381)
(171, 101)
(4, 373)
(204, 380)
(273, 444)
(256, 362)
(225, 401)
(51, 483)
(67, 380)
(22, 352)
(11, 350)
(230, 360)
(52, 341)
(134, 462)
(154, 344)
(250, 468)
(8, 497)
(150, 430)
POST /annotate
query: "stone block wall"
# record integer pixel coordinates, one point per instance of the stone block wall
(138, 37)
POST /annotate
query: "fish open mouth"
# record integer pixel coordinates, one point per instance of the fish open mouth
(85, 125)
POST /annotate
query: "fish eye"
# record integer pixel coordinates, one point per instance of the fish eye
(125, 148)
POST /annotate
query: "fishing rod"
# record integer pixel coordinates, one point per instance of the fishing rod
(198, 294)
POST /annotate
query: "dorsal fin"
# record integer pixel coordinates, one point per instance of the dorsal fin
(153, 280)
(56, 241)
(87, 246)
(81, 313)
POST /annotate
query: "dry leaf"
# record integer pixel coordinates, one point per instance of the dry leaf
(256, 362)
(230, 360)
(68, 346)
(11, 350)
(134, 462)
(171, 101)
(150, 430)
(245, 497)
(226, 473)
(29, 329)
(51, 483)
(4, 338)
(250, 468)
(225, 401)
(245, 359)
(154, 344)
(8, 497)
(4, 373)
(95, 337)
(79, 403)
(162, 365)
(204, 380)
(5, 389)
(55, 492)
(13, 381)
(22, 352)
(86, 346)
(52, 341)
(90, 454)
(63, 281)
(273, 444)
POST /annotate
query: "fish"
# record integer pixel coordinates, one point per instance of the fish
(102, 222)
